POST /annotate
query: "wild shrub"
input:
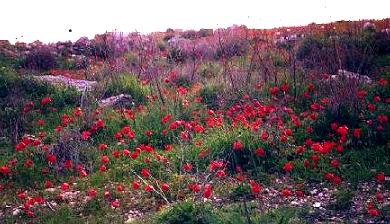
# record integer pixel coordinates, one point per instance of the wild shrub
(126, 84)
(40, 58)
(187, 213)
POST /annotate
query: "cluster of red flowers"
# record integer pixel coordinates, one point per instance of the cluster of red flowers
(274, 130)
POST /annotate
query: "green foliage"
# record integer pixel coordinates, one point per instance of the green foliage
(182, 80)
(40, 58)
(343, 200)
(209, 70)
(282, 216)
(187, 213)
(355, 169)
(317, 51)
(176, 55)
(126, 84)
(209, 94)
(16, 91)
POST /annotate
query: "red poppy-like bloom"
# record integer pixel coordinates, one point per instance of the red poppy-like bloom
(48, 184)
(102, 168)
(125, 152)
(22, 195)
(92, 193)
(237, 146)
(148, 188)
(68, 164)
(118, 136)
(168, 148)
(85, 135)
(286, 192)
(100, 123)
(165, 187)
(194, 187)
(377, 99)
(343, 130)
(46, 101)
(181, 90)
(58, 129)
(380, 176)
(199, 129)
(64, 186)
(299, 193)
(329, 176)
(373, 212)
(145, 172)
(300, 149)
(285, 87)
(115, 204)
(283, 138)
(148, 133)
(41, 122)
(337, 180)
(187, 167)
(130, 135)
(260, 152)
(339, 148)
(77, 112)
(383, 118)
(20, 146)
(216, 164)
(288, 167)
(51, 158)
(220, 173)
(357, 132)
(105, 159)
(125, 130)
(116, 154)
(28, 163)
(264, 135)
(371, 107)
(166, 118)
(335, 163)
(136, 185)
(382, 82)
(274, 90)
(119, 188)
(361, 94)
(106, 194)
(103, 147)
(184, 135)
(208, 191)
(255, 187)
(379, 197)
(134, 155)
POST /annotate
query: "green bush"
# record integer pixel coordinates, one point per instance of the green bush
(41, 58)
(209, 70)
(187, 213)
(343, 200)
(126, 84)
(176, 55)
(16, 91)
(209, 94)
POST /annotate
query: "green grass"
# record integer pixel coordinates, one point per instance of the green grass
(188, 213)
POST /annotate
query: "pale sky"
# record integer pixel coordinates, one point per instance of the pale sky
(50, 20)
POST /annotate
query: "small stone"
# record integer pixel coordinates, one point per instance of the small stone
(295, 203)
(129, 219)
(50, 189)
(16, 212)
(317, 204)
